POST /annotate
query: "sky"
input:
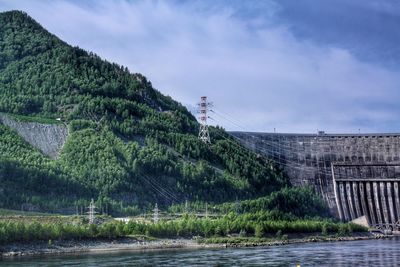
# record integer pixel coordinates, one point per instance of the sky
(285, 66)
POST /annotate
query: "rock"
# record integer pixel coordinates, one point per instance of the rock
(48, 138)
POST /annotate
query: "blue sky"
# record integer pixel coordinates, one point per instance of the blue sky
(297, 66)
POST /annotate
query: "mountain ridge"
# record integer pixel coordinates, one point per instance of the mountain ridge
(108, 109)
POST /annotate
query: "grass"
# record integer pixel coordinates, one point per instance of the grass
(242, 231)
(16, 216)
(44, 219)
(142, 237)
(42, 120)
(237, 240)
(9, 216)
(7, 212)
(243, 241)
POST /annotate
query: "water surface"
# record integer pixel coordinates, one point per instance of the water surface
(354, 253)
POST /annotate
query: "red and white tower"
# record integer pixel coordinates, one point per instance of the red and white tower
(204, 107)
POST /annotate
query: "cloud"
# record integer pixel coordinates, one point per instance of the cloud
(367, 28)
(250, 63)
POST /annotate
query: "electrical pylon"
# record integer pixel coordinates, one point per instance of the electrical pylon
(237, 206)
(156, 215)
(91, 212)
(203, 108)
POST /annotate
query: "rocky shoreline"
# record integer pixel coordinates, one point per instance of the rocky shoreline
(96, 246)
(311, 239)
(132, 244)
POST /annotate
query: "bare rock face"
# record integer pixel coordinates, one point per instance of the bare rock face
(48, 138)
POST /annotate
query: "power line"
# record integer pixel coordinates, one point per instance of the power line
(161, 191)
(277, 148)
(219, 115)
(232, 118)
(164, 189)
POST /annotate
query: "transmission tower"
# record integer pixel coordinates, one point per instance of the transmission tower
(156, 215)
(91, 212)
(237, 206)
(204, 108)
(186, 206)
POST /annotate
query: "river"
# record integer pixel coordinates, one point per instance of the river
(382, 252)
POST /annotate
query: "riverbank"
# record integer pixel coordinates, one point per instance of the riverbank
(135, 244)
(97, 246)
(294, 239)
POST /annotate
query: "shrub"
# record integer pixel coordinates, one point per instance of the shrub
(324, 229)
(242, 233)
(259, 231)
(279, 234)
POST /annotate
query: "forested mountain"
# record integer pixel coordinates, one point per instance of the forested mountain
(129, 146)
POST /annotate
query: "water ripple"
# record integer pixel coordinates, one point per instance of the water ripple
(354, 253)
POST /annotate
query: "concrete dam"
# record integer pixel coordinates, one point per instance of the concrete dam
(356, 174)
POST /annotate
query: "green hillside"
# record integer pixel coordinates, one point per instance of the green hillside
(129, 145)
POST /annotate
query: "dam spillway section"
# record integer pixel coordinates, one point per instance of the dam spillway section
(356, 174)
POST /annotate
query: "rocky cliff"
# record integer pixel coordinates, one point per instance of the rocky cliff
(48, 138)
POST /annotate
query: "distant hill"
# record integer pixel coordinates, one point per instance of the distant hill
(128, 147)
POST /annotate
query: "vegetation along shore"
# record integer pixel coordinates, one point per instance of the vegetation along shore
(29, 235)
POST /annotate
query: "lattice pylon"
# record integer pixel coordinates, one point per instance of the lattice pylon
(92, 211)
(203, 108)
(156, 214)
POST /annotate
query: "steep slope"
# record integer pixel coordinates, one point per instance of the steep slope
(47, 137)
(129, 145)
(29, 179)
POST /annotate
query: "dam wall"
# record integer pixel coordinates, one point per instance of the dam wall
(356, 174)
